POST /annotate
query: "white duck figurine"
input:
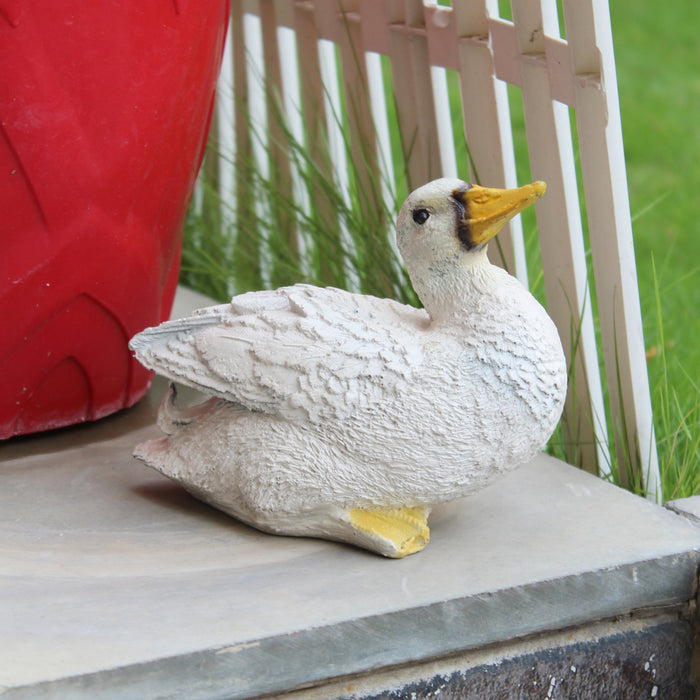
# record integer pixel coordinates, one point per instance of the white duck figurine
(348, 417)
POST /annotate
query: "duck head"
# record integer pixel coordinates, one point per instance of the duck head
(442, 233)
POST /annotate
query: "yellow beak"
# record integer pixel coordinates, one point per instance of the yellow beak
(487, 209)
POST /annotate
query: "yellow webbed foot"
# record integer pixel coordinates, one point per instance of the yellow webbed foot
(393, 532)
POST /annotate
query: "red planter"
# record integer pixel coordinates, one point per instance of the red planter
(104, 111)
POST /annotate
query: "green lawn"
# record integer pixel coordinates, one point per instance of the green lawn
(658, 67)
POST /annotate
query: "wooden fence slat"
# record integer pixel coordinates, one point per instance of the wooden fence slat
(610, 230)
(443, 123)
(388, 185)
(561, 241)
(284, 233)
(413, 91)
(358, 115)
(376, 31)
(378, 107)
(405, 97)
(428, 138)
(246, 265)
(553, 55)
(376, 38)
(256, 115)
(291, 97)
(315, 138)
(312, 91)
(224, 126)
(225, 133)
(441, 38)
(239, 87)
(338, 155)
(487, 127)
(258, 122)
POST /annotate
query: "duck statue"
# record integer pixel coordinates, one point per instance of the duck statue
(348, 417)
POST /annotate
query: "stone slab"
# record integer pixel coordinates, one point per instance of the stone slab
(687, 507)
(114, 583)
(622, 659)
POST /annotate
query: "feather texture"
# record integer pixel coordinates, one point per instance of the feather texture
(325, 402)
(300, 352)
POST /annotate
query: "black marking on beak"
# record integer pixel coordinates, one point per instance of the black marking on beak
(462, 228)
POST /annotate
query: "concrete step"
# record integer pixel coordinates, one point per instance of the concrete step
(115, 583)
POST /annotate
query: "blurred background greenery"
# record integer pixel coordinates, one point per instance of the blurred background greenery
(658, 68)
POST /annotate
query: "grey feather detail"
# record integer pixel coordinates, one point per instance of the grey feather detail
(298, 352)
(172, 418)
(168, 350)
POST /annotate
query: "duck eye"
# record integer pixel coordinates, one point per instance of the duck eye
(420, 216)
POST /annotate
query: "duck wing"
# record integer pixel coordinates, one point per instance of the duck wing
(298, 352)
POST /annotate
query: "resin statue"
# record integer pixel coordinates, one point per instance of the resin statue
(348, 417)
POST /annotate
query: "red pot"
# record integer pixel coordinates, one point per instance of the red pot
(104, 112)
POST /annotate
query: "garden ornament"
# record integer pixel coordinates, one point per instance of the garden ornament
(348, 417)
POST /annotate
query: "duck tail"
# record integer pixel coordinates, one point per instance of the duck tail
(152, 453)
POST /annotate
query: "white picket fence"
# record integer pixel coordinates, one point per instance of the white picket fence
(324, 57)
